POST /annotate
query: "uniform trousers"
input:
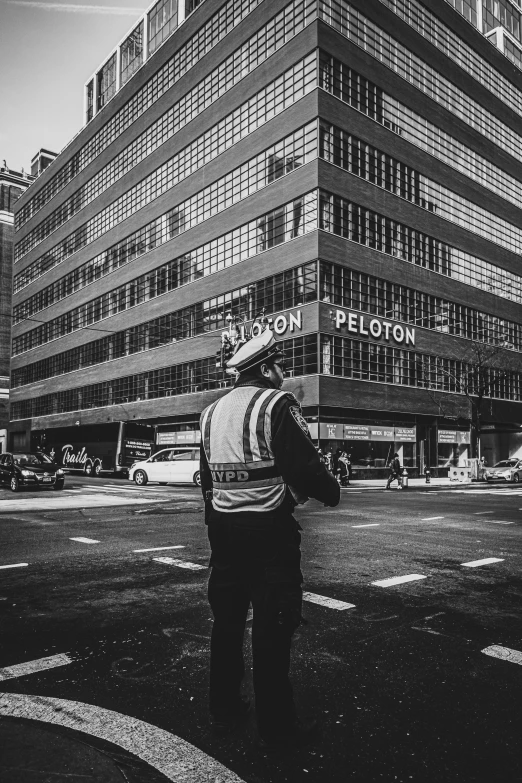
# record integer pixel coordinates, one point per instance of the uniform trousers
(255, 561)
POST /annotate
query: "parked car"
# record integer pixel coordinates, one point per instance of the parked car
(30, 469)
(168, 466)
(505, 470)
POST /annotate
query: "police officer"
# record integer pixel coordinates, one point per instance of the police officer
(257, 463)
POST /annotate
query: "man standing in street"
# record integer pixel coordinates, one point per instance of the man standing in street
(257, 463)
(395, 471)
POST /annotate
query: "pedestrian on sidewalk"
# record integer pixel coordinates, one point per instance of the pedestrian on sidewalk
(258, 462)
(395, 471)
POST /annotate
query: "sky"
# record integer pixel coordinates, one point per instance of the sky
(48, 50)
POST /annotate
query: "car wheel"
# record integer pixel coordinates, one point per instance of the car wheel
(140, 478)
(58, 486)
(516, 478)
(197, 478)
(14, 484)
(88, 469)
(97, 470)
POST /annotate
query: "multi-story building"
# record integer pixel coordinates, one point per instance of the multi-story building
(353, 167)
(12, 185)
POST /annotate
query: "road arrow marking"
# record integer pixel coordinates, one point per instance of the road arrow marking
(503, 653)
(331, 603)
(31, 667)
(487, 561)
(398, 580)
(175, 758)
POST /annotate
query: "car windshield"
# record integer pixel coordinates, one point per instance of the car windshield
(506, 463)
(31, 459)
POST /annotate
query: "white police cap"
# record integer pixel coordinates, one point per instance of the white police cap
(254, 352)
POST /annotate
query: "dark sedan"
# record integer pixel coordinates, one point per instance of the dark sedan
(30, 469)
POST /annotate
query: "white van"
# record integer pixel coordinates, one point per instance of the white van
(168, 466)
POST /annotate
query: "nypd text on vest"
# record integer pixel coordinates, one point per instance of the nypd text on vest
(363, 325)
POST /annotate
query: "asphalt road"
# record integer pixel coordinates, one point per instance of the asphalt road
(399, 679)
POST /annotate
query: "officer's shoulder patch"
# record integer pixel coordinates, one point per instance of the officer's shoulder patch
(298, 416)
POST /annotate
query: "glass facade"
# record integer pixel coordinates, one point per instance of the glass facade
(131, 53)
(501, 13)
(292, 288)
(106, 82)
(213, 31)
(163, 20)
(186, 378)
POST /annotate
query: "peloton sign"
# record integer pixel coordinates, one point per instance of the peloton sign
(374, 327)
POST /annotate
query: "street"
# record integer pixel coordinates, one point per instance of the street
(112, 578)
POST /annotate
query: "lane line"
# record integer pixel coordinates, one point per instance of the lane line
(478, 513)
(180, 563)
(15, 565)
(331, 603)
(31, 667)
(486, 561)
(85, 540)
(503, 653)
(430, 519)
(373, 524)
(159, 548)
(497, 522)
(398, 580)
(175, 758)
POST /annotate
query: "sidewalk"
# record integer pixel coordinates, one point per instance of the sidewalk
(415, 483)
(33, 752)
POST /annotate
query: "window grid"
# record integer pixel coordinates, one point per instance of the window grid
(500, 12)
(213, 31)
(379, 44)
(348, 152)
(106, 80)
(132, 53)
(187, 378)
(277, 161)
(288, 88)
(287, 222)
(468, 9)
(291, 288)
(347, 85)
(163, 20)
(433, 30)
(286, 24)
(367, 361)
(359, 291)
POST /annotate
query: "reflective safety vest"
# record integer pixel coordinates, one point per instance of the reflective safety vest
(237, 438)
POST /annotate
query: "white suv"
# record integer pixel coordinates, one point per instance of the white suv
(168, 466)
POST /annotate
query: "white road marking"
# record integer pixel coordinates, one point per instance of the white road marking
(55, 502)
(85, 540)
(178, 760)
(398, 580)
(478, 513)
(503, 653)
(180, 563)
(15, 565)
(331, 603)
(31, 667)
(158, 548)
(373, 524)
(487, 561)
(430, 519)
(497, 522)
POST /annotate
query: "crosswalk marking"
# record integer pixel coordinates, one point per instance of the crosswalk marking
(30, 667)
(398, 580)
(85, 540)
(180, 563)
(331, 603)
(158, 548)
(503, 653)
(486, 561)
